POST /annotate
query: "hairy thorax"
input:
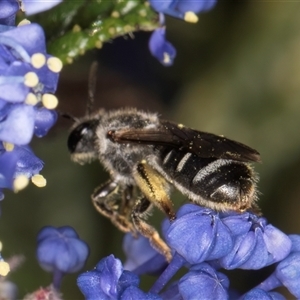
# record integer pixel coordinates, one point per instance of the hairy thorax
(120, 159)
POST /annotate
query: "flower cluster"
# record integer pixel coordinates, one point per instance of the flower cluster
(28, 79)
(204, 242)
(182, 9)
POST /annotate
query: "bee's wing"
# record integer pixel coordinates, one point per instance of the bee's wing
(186, 139)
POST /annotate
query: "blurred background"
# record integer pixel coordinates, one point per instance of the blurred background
(237, 73)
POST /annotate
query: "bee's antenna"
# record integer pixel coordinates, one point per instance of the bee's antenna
(92, 87)
(67, 116)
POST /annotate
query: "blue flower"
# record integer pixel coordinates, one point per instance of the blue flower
(203, 280)
(8, 10)
(28, 164)
(33, 7)
(198, 234)
(108, 280)
(28, 79)
(183, 9)
(161, 48)
(27, 71)
(141, 257)
(260, 294)
(288, 270)
(256, 243)
(61, 251)
(19, 163)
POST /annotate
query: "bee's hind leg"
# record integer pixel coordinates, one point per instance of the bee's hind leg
(140, 210)
(108, 202)
(154, 187)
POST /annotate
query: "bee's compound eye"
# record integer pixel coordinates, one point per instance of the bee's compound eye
(81, 135)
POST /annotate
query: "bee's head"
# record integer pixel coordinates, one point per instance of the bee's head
(81, 141)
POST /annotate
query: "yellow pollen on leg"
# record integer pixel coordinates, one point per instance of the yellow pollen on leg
(49, 101)
(54, 64)
(4, 268)
(39, 180)
(8, 147)
(31, 99)
(31, 79)
(20, 183)
(190, 17)
(38, 60)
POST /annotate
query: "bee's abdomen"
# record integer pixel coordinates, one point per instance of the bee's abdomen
(212, 179)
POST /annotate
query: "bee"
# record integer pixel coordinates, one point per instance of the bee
(147, 156)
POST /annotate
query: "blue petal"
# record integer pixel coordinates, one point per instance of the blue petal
(295, 239)
(8, 162)
(44, 120)
(260, 294)
(28, 164)
(161, 6)
(141, 255)
(89, 284)
(8, 11)
(30, 36)
(126, 280)
(288, 272)
(242, 250)
(161, 48)
(47, 232)
(111, 270)
(48, 78)
(134, 293)
(237, 224)
(278, 244)
(33, 7)
(206, 282)
(198, 235)
(18, 127)
(14, 90)
(68, 231)
(259, 256)
(195, 6)
(178, 8)
(223, 242)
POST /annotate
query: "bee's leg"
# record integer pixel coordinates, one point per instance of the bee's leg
(154, 187)
(139, 211)
(127, 200)
(104, 200)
